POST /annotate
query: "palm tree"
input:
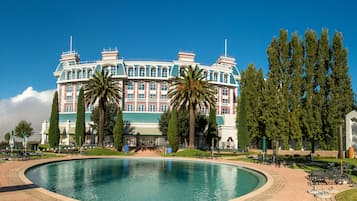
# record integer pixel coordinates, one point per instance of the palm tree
(103, 89)
(191, 90)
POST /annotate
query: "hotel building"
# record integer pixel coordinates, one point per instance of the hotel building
(144, 86)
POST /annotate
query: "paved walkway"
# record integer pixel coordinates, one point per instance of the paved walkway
(284, 184)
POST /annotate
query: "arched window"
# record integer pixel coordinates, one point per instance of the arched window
(164, 72)
(90, 73)
(205, 74)
(131, 72)
(153, 72)
(69, 75)
(225, 78)
(182, 70)
(142, 72)
(113, 70)
(215, 77)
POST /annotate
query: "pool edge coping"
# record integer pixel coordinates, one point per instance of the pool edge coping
(21, 174)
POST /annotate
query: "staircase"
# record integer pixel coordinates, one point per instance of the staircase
(147, 152)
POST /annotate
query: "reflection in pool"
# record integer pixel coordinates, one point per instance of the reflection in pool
(145, 179)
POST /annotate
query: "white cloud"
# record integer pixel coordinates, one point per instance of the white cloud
(31, 105)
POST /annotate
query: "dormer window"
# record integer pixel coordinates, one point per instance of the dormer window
(153, 72)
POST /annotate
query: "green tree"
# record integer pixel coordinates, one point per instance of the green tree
(310, 122)
(295, 92)
(7, 137)
(252, 84)
(103, 89)
(164, 122)
(23, 126)
(189, 91)
(212, 132)
(111, 111)
(173, 131)
(243, 139)
(118, 131)
(340, 97)
(80, 121)
(320, 87)
(53, 131)
(275, 97)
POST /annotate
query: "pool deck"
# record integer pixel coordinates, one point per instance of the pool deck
(284, 184)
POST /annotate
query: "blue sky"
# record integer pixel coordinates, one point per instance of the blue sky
(34, 33)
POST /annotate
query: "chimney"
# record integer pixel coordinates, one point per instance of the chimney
(226, 61)
(70, 56)
(186, 56)
(110, 54)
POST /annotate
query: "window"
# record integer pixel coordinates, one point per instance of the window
(225, 91)
(90, 73)
(163, 86)
(141, 107)
(69, 88)
(141, 96)
(224, 111)
(69, 98)
(205, 74)
(69, 75)
(153, 72)
(164, 72)
(89, 108)
(105, 70)
(130, 85)
(182, 71)
(130, 72)
(68, 108)
(152, 108)
(113, 70)
(152, 96)
(130, 107)
(225, 78)
(78, 87)
(79, 74)
(215, 77)
(142, 72)
(225, 101)
(163, 96)
(141, 86)
(163, 108)
(152, 86)
(130, 96)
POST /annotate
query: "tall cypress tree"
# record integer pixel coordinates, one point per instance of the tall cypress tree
(173, 131)
(53, 131)
(320, 87)
(295, 90)
(310, 113)
(212, 127)
(252, 84)
(340, 91)
(80, 121)
(118, 131)
(274, 103)
(243, 139)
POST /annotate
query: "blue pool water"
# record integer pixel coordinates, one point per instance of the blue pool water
(145, 179)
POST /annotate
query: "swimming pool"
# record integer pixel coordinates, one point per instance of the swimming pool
(145, 179)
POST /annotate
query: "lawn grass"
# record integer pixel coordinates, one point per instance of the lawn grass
(190, 153)
(104, 152)
(349, 195)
